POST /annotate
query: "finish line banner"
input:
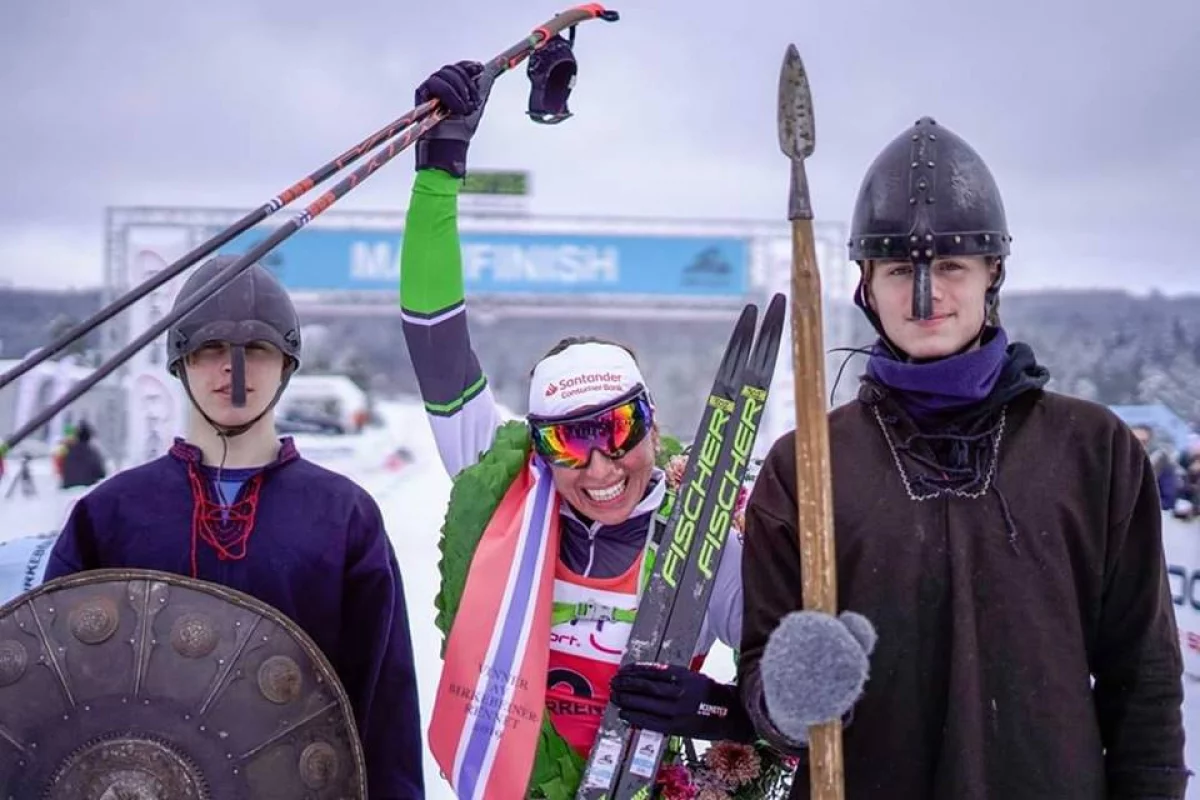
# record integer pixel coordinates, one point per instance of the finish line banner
(321, 260)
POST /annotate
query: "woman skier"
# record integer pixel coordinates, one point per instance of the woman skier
(234, 504)
(585, 506)
(1009, 630)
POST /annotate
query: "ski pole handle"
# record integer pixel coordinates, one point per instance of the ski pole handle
(513, 56)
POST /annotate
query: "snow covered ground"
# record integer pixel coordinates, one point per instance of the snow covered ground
(413, 502)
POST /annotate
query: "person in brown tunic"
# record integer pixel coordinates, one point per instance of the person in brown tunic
(1008, 630)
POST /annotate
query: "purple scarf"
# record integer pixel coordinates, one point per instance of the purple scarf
(933, 388)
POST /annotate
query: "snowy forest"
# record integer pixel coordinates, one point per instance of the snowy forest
(1107, 346)
(1112, 347)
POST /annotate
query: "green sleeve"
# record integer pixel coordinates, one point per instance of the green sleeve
(433, 313)
(431, 278)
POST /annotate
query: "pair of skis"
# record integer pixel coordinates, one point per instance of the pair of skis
(624, 762)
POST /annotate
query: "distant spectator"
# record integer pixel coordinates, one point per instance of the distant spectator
(1184, 509)
(60, 449)
(1189, 463)
(1169, 480)
(82, 464)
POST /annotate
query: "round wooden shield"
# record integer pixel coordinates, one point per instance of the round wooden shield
(144, 685)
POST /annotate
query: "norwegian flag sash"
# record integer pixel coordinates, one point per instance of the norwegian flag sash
(490, 701)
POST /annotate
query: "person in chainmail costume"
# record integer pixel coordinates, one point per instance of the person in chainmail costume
(1006, 626)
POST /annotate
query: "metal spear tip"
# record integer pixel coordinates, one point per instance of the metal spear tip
(797, 134)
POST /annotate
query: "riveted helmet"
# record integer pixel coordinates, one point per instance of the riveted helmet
(928, 195)
(253, 307)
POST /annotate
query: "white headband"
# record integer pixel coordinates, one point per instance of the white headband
(582, 375)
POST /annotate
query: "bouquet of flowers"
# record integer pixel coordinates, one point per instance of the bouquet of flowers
(729, 771)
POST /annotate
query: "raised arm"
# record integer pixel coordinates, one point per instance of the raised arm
(458, 401)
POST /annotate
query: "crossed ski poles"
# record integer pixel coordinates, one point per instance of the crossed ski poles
(399, 135)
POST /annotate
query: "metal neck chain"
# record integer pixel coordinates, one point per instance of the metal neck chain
(987, 480)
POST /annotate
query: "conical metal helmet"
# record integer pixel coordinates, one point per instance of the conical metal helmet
(252, 307)
(928, 195)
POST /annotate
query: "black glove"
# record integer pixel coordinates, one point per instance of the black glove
(679, 702)
(463, 90)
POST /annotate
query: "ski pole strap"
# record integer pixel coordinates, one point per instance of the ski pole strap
(658, 526)
(594, 612)
(663, 515)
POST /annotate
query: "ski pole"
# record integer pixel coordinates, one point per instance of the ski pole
(814, 491)
(430, 115)
(223, 279)
(219, 240)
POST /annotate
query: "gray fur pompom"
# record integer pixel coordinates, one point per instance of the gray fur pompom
(814, 668)
(862, 629)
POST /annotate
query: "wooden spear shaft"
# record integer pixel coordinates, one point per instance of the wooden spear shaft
(814, 492)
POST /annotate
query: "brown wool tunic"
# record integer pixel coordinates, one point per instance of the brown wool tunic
(990, 632)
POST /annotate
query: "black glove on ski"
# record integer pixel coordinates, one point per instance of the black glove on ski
(814, 667)
(463, 89)
(679, 702)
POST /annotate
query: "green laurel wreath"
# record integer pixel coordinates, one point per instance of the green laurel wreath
(477, 492)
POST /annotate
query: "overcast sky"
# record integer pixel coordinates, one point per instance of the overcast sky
(1085, 111)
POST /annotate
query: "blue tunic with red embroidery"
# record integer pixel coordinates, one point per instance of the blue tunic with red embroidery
(303, 539)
